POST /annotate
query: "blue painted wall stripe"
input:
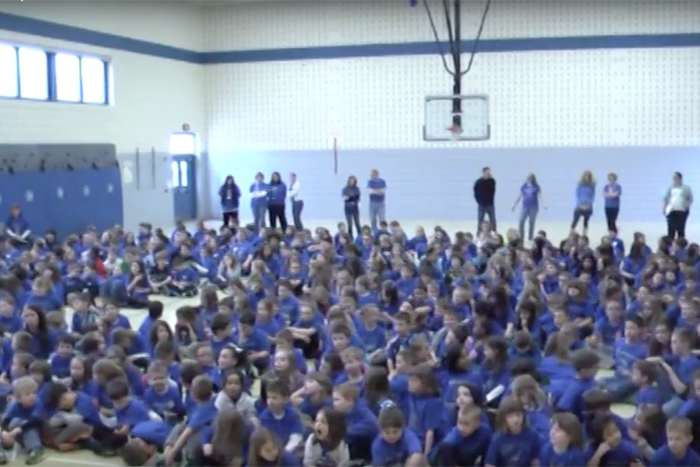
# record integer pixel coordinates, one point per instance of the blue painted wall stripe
(48, 29)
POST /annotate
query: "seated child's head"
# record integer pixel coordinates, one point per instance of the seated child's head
(340, 337)
(528, 392)
(345, 396)
(679, 434)
(284, 339)
(604, 429)
(7, 305)
(278, 394)
(402, 323)
(596, 402)
(40, 370)
(204, 354)
(644, 373)
(585, 362)
(681, 341)
(468, 420)
(202, 389)
(158, 377)
(24, 390)
(22, 342)
(284, 362)
(234, 381)
(566, 430)
(246, 323)
(391, 424)
(221, 325)
(318, 385)
(352, 360)
(21, 363)
(136, 452)
(510, 417)
(118, 392)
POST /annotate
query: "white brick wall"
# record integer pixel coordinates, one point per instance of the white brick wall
(152, 96)
(577, 98)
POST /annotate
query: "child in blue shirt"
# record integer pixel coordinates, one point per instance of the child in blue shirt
(515, 443)
(467, 442)
(10, 317)
(425, 407)
(585, 363)
(187, 439)
(280, 417)
(644, 377)
(361, 423)
(607, 445)
(679, 369)
(565, 444)
(254, 341)
(22, 421)
(162, 397)
(60, 360)
(677, 451)
(396, 444)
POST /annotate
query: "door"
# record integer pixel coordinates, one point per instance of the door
(184, 187)
(183, 152)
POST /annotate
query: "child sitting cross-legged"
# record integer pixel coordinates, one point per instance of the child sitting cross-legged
(22, 421)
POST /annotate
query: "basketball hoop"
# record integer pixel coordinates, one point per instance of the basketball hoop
(455, 132)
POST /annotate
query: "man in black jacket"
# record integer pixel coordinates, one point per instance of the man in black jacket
(484, 195)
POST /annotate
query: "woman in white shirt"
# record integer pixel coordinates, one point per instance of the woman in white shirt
(326, 446)
(676, 207)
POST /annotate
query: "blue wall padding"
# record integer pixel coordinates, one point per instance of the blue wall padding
(90, 197)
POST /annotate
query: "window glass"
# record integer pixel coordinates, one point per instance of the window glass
(33, 74)
(67, 77)
(183, 143)
(8, 71)
(183, 174)
(94, 80)
(175, 174)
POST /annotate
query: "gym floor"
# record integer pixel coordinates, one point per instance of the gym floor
(556, 232)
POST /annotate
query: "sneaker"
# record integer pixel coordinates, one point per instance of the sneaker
(35, 456)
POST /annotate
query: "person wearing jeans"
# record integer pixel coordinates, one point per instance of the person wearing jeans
(258, 201)
(230, 195)
(585, 197)
(351, 197)
(612, 193)
(485, 196)
(377, 192)
(276, 197)
(297, 202)
(530, 195)
(676, 207)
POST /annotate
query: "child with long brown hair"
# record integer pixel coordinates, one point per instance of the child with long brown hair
(265, 451)
(326, 445)
(522, 442)
(228, 446)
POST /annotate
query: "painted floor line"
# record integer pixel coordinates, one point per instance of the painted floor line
(69, 460)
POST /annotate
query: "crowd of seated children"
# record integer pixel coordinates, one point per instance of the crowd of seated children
(326, 350)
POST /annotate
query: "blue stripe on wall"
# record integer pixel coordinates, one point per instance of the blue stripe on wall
(48, 29)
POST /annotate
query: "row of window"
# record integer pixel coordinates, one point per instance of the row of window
(31, 73)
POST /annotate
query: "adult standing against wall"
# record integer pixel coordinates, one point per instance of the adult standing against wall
(258, 201)
(351, 198)
(485, 196)
(377, 196)
(530, 196)
(585, 197)
(276, 205)
(297, 201)
(677, 202)
(612, 193)
(230, 196)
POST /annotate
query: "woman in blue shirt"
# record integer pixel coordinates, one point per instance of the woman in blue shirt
(612, 193)
(230, 195)
(585, 196)
(530, 195)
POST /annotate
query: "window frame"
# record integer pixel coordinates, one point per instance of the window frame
(52, 94)
(16, 71)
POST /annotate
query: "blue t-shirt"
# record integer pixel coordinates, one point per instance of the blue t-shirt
(663, 457)
(613, 202)
(376, 184)
(571, 457)
(513, 450)
(530, 195)
(397, 453)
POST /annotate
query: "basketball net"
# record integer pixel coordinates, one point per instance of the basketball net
(455, 132)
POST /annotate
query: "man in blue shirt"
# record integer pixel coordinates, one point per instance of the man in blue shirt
(377, 191)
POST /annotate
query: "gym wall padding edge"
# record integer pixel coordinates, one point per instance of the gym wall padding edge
(65, 187)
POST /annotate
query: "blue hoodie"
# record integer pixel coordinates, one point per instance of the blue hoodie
(277, 194)
(585, 194)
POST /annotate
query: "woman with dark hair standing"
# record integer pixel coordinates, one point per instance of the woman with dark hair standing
(585, 197)
(351, 196)
(276, 197)
(230, 195)
(676, 207)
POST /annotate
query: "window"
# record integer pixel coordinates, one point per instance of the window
(183, 143)
(175, 174)
(8, 71)
(67, 77)
(33, 74)
(183, 174)
(92, 74)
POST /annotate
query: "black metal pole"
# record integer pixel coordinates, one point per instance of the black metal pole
(457, 58)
